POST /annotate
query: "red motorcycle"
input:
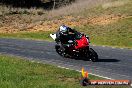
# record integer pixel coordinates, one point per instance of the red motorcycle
(76, 48)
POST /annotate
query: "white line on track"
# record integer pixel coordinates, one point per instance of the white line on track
(89, 73)
(113, 47)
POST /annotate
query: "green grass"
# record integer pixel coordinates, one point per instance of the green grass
(19, 73)
(29, 35)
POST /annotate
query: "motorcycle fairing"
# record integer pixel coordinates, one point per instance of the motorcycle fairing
(82, 43)
(53, 36)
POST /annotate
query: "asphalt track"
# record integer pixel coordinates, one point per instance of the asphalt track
(114, 63)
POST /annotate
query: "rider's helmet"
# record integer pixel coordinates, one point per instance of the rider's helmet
(63, 30)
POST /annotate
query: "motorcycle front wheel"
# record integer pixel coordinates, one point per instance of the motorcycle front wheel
(61, 51)
(93, 55)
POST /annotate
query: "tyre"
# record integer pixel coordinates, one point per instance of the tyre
(61, 51)
(57, 48)
(93, 55)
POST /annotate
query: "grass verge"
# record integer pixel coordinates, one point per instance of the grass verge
(19, 73)
(118, 34)
(28, 35)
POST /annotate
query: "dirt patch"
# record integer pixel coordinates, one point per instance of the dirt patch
(73, 22)
(54, 24)
(105, 20)
(68, 79)
(45, 25)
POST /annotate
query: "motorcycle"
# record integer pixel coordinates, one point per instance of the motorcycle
(79, 47)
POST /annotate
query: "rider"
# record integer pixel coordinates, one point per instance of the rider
(63, 34)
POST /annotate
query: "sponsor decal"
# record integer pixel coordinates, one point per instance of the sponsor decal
(85, 81)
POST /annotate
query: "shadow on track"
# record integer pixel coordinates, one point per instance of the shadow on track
(100, 60)
(108, 60)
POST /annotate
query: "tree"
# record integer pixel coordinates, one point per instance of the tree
(59, 3)
(54, 4)
(46, 4)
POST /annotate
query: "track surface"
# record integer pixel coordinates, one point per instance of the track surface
(114, 63)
